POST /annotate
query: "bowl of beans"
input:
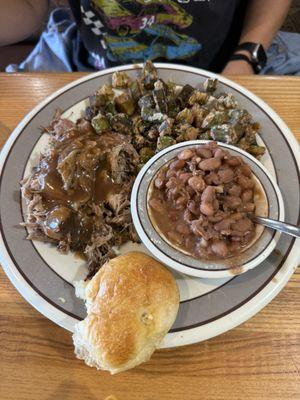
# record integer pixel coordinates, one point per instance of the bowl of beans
(193, 203)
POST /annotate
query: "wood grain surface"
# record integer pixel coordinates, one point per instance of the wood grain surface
(258, 360)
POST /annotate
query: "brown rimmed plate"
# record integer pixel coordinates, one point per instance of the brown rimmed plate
(208, 307)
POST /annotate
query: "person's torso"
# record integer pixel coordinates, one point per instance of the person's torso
(187, 31)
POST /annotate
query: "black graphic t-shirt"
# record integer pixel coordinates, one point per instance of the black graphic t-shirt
(202, 33)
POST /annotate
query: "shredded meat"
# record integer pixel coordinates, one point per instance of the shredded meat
(78, 196)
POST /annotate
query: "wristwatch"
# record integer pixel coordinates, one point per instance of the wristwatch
(258, 57)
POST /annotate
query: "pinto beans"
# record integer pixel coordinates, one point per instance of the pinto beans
(219, 153)
(212, 179)
(181, 202)
(236, 216)
(207, 201)
(185, 154)
(172, 183)
(245, 183)
(218, 216)
(203, 152)
(233, 161)
(233, 202)
(178, 164)
(193, 207)
(207, 209)
(190, 190)
(197, 198)
(208, 195)
(188, 216)
(216, 205)
(226, 175)
(203, 197)
(197, 183)
(159, 183)
(170, 173)
(185, 176)
(198, 230)
(210, 164)
(235, 190)
(244, 169)
(223, 225)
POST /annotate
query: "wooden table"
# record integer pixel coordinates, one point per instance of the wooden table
(258, 360)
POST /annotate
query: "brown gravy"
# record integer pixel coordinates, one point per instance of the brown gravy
(66, 214)
(95, 185)
(104, 185)
(96, 188)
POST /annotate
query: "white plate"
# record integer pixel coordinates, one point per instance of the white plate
(208, 307)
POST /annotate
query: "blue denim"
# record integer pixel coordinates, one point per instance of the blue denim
(284, 55)
(60, 49)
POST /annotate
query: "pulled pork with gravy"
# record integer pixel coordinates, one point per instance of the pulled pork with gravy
(78, 196)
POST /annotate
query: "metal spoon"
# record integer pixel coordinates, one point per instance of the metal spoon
(289, 229)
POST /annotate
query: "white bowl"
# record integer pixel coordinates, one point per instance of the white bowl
(175, 258)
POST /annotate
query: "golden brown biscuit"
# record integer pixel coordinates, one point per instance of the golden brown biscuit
(132, 303)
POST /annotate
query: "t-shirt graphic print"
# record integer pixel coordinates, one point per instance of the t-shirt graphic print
(139, 30)
(125, 31)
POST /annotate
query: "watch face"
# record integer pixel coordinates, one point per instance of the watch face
(259, 56)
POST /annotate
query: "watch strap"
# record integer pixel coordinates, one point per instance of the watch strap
(242, 57)
(249, 46)
(256, 52)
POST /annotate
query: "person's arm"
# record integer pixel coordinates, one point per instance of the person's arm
(19, 19)
(263, 19)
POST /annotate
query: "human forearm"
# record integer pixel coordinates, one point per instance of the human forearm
(20, 18)
(263, 19)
